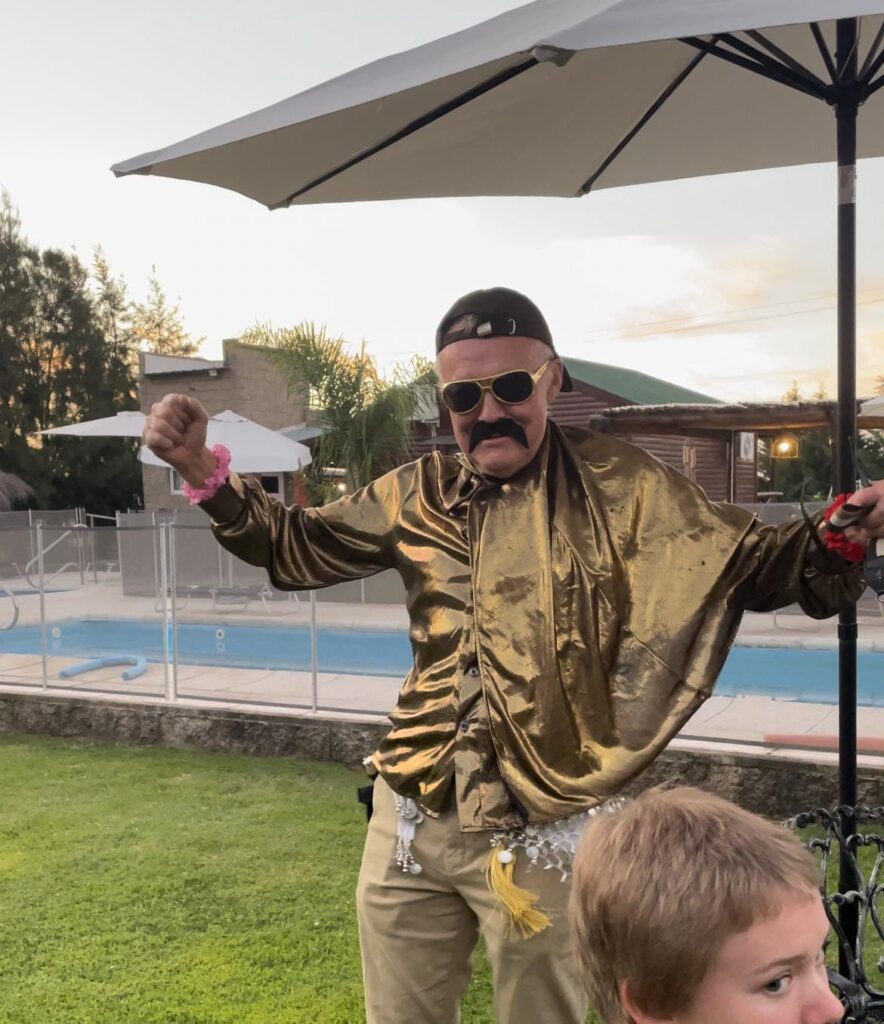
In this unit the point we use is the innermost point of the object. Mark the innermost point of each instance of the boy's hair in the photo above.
(661, 884)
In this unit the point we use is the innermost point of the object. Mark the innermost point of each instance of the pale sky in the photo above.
(725, 285)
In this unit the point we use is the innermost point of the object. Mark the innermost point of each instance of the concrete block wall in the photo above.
(774, 786)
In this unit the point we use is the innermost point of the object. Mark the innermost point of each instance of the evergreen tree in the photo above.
(60, 362)
(812, 472)
(157, 326)
(114, 311)
(19, 273)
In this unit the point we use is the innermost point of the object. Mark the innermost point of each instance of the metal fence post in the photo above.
(164, 586)
(43, 644)
(313, 653)
(154, 539)
(79, 536)
(172, 693)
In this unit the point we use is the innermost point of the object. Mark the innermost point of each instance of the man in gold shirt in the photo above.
(572, 601)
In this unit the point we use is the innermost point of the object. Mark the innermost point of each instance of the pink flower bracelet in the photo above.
(210, 487)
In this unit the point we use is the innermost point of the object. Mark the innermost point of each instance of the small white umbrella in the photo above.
(124, 424)
(253, 448)
(871, 413)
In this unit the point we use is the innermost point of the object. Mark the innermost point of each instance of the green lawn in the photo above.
(139, 884)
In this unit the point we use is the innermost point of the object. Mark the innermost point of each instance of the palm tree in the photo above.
(366, 417)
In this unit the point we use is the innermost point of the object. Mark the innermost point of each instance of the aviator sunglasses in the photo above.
(510, 388)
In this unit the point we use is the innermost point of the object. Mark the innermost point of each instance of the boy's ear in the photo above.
(632, 1011)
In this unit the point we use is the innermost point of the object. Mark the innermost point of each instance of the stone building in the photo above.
(245, 381)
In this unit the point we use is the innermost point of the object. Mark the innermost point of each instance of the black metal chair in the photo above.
(860, 987)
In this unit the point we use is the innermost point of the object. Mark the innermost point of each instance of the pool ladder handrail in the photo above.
(13, 621)
(26, 575)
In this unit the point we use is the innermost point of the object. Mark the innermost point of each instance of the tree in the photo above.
(366, 417)
(811, 474)
(58, 365)
(114, 311)
(19, 270)
(157, 326)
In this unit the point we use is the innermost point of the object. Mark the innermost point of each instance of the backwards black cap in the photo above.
(496, 313)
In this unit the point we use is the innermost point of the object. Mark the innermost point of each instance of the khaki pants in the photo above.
(418, 932)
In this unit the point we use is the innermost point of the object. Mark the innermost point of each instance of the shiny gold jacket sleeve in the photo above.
(780, 565)
(303, 549)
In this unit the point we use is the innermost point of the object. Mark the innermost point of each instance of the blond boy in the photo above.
(687, 909)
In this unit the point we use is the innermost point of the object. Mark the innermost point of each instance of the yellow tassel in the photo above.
(525, 916)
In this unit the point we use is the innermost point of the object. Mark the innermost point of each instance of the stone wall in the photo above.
(776, 787)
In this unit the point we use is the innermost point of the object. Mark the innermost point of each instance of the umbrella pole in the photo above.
(846, 108)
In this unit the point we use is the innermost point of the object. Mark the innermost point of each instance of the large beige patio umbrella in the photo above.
(553, 98)
(564, 97)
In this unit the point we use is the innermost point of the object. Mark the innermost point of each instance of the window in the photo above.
(314, 400)
(176, 484)
(273, 484)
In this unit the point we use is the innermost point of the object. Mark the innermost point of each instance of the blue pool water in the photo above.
(376, 653)
(788, 673)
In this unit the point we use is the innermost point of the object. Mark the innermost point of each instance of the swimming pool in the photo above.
(785, 672)
(376, 653)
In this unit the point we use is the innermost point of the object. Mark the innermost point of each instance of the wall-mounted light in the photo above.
(784, 446)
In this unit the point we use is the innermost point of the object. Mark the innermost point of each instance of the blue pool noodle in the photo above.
(139, 665)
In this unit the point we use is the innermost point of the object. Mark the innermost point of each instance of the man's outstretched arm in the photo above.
(783, 564)
(299, 548)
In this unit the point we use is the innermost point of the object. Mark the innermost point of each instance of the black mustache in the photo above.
(485, 429)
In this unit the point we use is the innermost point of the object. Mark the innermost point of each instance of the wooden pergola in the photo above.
(697, 420)
(754, 417)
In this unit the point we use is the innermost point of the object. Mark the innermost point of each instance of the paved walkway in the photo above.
(746, 723)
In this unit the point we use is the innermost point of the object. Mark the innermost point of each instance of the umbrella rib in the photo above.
(873, 69)
(775, 72)
(824, 50)
(804, 73)
(642, 121)
(867, 71)
(872, 88)
(789, 77)
(435, 114)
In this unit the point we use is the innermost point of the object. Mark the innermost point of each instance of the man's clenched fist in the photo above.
(175, 432)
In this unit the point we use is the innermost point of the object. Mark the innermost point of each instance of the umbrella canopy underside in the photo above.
(536, 102)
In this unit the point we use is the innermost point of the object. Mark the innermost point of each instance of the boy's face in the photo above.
(773, 973)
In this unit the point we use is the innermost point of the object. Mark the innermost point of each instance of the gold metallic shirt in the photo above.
(597, 593)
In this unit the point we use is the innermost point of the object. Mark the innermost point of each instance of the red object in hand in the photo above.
(837, 542)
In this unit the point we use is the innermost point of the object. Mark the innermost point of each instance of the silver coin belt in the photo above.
(551, 844)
